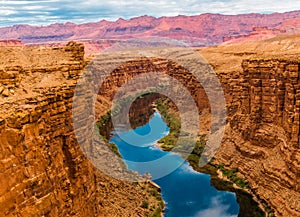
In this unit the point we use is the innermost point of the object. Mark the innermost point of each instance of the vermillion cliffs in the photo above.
(205, 29)
(11, 42)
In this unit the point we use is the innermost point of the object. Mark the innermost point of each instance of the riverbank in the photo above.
(224, 179)
(249, 205)
(172, 173)
(152, 208)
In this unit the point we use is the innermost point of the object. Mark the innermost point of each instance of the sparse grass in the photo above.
(173, 122)
(185, 146)
(102, 125)
(269, 211)
(231, 174)
(145, 205)
(115, 149)
(156, 213)
(104, 121)
(155, 193)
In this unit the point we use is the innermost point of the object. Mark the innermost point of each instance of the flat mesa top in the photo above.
(31, 71)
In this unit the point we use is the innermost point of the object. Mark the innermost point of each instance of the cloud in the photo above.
(216, 209)
(6, 11)
(186, 168)
(29, 11)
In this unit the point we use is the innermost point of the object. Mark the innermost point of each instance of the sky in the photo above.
(43, 12)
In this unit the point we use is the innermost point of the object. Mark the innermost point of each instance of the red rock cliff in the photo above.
(11, 42)
(43, 170)
(263, 138)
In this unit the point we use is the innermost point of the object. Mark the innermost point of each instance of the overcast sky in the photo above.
(42, 12)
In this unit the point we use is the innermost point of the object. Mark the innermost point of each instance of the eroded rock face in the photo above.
(274, 90)
(263, 138)
(125, 72)
(43, 169)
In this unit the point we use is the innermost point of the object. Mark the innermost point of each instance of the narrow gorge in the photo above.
(43, 169)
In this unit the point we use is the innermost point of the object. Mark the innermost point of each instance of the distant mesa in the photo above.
(258, 34)
(196, 31)
(11, 42)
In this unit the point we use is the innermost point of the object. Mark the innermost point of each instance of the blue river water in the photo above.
(186, 192)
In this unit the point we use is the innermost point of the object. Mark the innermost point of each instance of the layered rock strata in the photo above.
(43, 169)
(262, 139)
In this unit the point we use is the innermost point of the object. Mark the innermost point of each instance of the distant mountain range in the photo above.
(201, 30)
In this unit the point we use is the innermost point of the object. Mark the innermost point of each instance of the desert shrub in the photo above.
(145, 205)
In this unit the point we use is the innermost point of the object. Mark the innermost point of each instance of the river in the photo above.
(186, 193)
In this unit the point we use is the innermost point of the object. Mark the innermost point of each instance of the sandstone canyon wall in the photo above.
(267, 125)
(43, 170)
(262, 137)
(261, 81)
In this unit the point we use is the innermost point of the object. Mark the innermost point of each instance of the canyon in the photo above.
(261, 84)
(44, 171)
